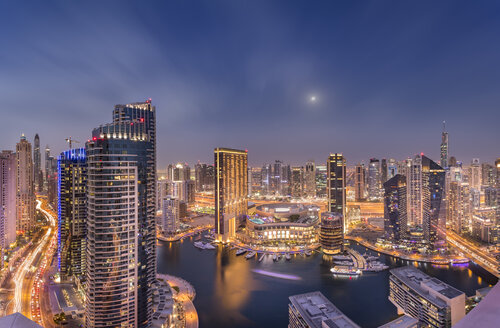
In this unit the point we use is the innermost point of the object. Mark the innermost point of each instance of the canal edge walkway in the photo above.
(185, 295)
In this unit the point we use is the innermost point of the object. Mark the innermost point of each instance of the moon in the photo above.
(313, 99)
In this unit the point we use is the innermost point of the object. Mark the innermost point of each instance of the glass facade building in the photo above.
(121, 226)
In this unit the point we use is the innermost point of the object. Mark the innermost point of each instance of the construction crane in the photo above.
(71, 141)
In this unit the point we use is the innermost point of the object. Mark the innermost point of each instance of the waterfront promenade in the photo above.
(414, 257)
(184, 293)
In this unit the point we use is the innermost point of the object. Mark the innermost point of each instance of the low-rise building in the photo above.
(314, 310)
(429, 300)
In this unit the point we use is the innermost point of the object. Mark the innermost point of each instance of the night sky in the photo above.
(241, 74)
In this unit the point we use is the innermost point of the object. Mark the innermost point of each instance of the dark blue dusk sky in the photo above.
(240, 73)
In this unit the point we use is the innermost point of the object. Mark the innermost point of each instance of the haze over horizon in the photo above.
(242, 75)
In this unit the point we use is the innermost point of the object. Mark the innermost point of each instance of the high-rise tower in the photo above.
(8, 168)
(37, 164)
(395, 218)
(121, 225)
(444, 147)
(25, 193)
(336, 185)
(374, 180)
(359, 182)
(433, 183)
(72, 212)
(310, 179)
(231, 180)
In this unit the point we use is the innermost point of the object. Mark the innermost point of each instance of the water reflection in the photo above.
(230, 294)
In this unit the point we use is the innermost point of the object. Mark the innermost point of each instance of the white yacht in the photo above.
(250, 255)
(241, 251)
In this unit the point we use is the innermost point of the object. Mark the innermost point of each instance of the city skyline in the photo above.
(354, 90)
(240, 164)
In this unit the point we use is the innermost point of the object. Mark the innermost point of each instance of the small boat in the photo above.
(262, 257)
(199, 244)
(341, 257)
(241, 251)
(345, 271)
(209, 246)
(275, 257)
(250, 255)
(279, 257)
(288, 257)
(459, 261)
(308, 253)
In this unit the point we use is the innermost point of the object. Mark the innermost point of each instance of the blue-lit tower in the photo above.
(71, 212)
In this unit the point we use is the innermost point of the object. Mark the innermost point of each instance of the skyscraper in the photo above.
(459, 206)
(383, 171)
(488, 175)
(433, 180)
(121, 226)
(25, 194)
(444, 147)
(497, 165)
(72, 212)
(37, 164)
(336, 184)
(297, 184)
(231, 180)
(204, 177)
(395, 217)
(414, 190)
(310, 179)
(8, 166)
(475, 174)
(265, 175)
(359, 182)
(392, 168)
(374, 184)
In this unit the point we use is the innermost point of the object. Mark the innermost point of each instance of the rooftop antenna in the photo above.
(71, 141)
(444, 126)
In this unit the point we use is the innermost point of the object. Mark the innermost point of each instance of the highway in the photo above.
(473, 252)
(27, 277)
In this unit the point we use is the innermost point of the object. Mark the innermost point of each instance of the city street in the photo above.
(473, 252)
(27, 277)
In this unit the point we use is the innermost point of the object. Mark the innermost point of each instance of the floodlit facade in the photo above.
(331, 236)
(231, 183)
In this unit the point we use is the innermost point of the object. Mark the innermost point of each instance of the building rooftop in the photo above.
(404, 321)
(485, 314)
(17, 320)
(422, 283)
(317, 311)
